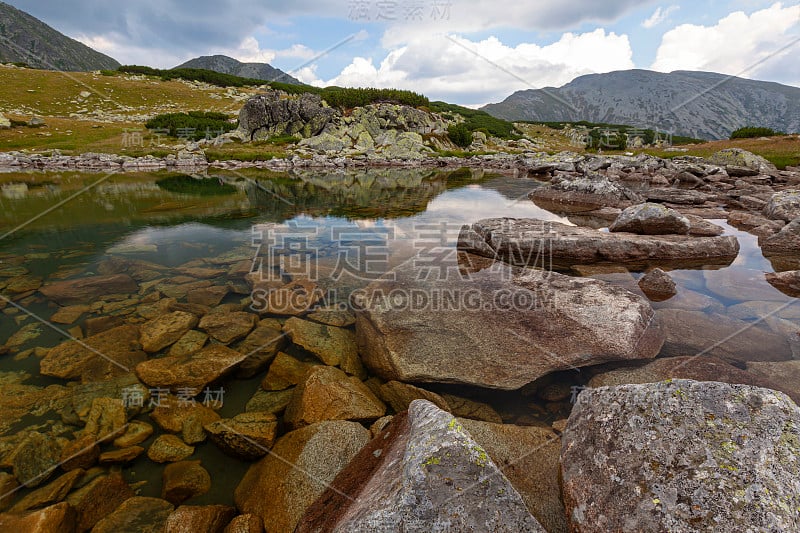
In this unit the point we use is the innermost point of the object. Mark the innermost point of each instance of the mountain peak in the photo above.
(228, 65)
(27, 39)
(698, 104)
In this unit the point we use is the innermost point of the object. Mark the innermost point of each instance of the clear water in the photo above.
(171, 223)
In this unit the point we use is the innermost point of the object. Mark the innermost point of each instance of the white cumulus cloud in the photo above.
(454, 68)
(739, 44)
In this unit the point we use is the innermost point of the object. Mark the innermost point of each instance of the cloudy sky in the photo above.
(465, 51)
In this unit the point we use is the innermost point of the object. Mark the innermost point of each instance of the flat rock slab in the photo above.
(107, 355)
(510, 327)
(194, 371)
(682, 456)
(424, 472)
(698, 333)
(87, 290)
(532, 242)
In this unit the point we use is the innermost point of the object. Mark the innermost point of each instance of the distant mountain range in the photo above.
(229, 65)
(26, 39)
(698, 104)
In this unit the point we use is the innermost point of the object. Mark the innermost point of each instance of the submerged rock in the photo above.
(657, 285)
(545, 244)
(510, 326)
(57, 518)
(140, 514)
(248, 436)
(194, 372)
(184, 480)
(88, 290)
(736, 341)
(166, 330)
(424, 472)
(104, 356)
(682, 456)
(197, 518)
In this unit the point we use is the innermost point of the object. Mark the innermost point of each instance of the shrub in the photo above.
(477, 120)
(749, 132)
(194, 125)
(460, 134)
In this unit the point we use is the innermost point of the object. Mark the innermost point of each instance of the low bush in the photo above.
(460, 135)
(194, 125)
(750, 132)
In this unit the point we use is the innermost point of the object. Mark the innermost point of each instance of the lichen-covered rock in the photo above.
(784, 205)
(736, 157)
(651, 219)
(682, 456)
(529, 458)
(267, 115)
(424, 472)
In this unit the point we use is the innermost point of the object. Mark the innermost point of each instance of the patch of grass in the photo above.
(782, 151)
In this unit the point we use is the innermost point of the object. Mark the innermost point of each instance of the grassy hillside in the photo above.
(86, 112)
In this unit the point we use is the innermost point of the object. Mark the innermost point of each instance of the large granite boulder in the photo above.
(785, 242)
(583, 194)
(786, 282)
(682, 456)
(651, 219)
(280, 487)
(509, 327)
(545, 244)
(736, 157)
(271, 114)
(784, 205)
(424, 472)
